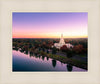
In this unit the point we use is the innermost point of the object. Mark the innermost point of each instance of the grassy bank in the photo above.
(63, 59)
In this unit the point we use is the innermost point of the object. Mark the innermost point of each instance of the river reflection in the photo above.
(69, 67)
(47, 58)
(25, 61)
(53, 63)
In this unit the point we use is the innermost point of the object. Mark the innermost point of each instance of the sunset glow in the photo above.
(50, 25)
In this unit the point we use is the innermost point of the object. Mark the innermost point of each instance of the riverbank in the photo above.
(73, 62)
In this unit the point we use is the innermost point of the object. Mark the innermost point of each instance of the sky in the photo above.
(50, 24)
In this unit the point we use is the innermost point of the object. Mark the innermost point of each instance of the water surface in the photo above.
(25, 62)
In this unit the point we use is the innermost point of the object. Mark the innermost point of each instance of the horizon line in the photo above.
(47, 38)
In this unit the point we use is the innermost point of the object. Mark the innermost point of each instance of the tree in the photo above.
(69, 53)
(54, 50)
(78, 49)
(64, 48)
(47, 51)
(25, 47)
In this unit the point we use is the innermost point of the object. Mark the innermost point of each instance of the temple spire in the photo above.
(61, 40)
(61, 35)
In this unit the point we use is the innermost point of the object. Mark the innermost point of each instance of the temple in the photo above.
(62, 42)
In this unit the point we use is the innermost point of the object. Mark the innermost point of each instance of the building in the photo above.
(62, 42)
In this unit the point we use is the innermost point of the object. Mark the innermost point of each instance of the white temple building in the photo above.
(62, 42)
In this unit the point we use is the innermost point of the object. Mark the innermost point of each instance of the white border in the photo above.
(9, 77)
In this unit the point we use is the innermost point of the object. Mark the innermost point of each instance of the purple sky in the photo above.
(50, 24)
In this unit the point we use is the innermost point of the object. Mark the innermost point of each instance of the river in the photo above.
(25, 62)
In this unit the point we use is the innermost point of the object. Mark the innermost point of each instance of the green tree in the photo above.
(54, 50)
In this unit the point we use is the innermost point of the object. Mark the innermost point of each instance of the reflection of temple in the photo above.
(62, 42)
